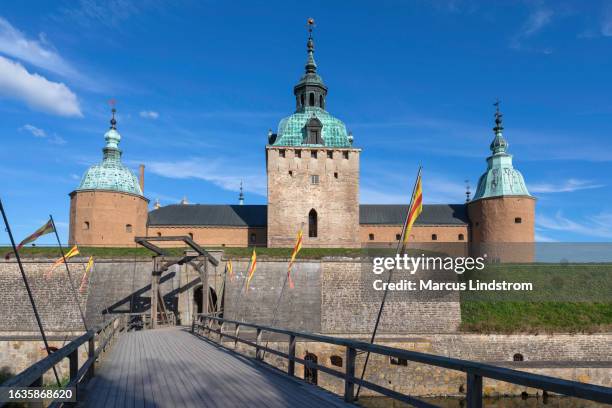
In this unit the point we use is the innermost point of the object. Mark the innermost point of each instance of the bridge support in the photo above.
(474, 390)
(349, 375)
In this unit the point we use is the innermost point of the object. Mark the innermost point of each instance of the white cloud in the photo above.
(149, 114)
(599, 225)
(58, 140)
(568, 186)
(36, 132)
(222, 173)
(537, 20)
(606, 26)
(39, 53)
(36, 91)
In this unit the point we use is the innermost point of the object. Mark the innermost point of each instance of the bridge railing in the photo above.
(475, 372)
(102, 336)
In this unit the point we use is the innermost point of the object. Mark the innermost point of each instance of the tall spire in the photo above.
(112, 137)
(241, 195)
(499, 144)
(311, 65)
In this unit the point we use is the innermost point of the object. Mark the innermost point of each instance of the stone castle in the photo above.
(313, 183)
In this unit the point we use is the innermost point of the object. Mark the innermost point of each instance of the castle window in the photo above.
(128, 227)
(314, 179)
(330, 154)
(371, 237)
(336, 361)
(518, 220)
(398, 237)
(290, 173)
(461, 237)
(253, 238)
(313, 154)
(190, 235)
(336, 175)
(434, 237)
(518, 357)
(86, 225)
(312, 223)
(311, 100)
(345, 155)
(281, 153)
(398, 361)
(321, 103)
(159, 234)
(302, 100)
(298, 153)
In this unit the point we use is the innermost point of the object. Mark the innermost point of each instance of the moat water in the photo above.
(500, 402)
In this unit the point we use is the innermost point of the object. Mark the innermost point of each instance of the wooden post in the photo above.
(154, 291)
(474, 390)
(236, 333)
(221, 333)
(291, 362)
(349, 375)
(258, 353)
(91, 356)
(205, 289)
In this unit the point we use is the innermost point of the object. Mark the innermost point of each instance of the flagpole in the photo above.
(27, 286)
(401, 247)
(74, 293)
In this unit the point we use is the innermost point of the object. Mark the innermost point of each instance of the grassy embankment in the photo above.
(566, 298)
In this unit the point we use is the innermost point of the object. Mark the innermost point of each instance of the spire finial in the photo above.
(499, 144)
(311, 66)
(467, 191)
(241, 195)
(113, 121)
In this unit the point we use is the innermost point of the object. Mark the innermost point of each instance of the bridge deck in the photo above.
(171, 367)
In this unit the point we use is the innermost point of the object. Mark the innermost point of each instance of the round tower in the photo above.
(502, 212)
(108, 208)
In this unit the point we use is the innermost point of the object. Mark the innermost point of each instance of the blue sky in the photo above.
(198, 84)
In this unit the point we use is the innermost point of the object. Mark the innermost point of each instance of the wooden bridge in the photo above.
(200, 366)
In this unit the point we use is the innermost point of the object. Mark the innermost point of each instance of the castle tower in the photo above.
(502, 212)
(108, 208)
(313, 171)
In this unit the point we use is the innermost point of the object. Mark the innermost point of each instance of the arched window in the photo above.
(461, 237)
(321, 102)
(128, 227)
(159, 234)
(301, 100)
(191, 235)
(312, 224)
(311, 101)
(518, 357)
(371, 237)
(86, 225)
(434, 237)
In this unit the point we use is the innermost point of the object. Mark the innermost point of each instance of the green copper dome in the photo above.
(311, 124)
(111, 174)
(501, 178)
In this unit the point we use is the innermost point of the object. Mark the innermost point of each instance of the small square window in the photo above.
(345, 155)
(253, 238)
(461, 237)
(290, 173)
(298, 153)
(518, 220)
(128, 227)
(313, 154)
(314, 179)
(434, 237)
(336, 175)
(371, 237)
(398, 237)
(281, 153)
(330, 154)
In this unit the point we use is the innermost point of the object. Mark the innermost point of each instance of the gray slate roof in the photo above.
(257, 216)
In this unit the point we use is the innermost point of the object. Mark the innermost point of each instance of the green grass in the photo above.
(531, 317)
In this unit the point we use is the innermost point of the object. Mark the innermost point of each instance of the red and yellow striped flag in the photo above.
(45, 229)
(296, 249)
(90, 264)
(74, 251)
(415, 209)
(230, 269)
(252, 268)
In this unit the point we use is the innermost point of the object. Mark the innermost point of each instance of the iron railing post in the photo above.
(291, 362)
(236, 333)
(91, 355)
(349, 375)
(474, 390)
(221, 333)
